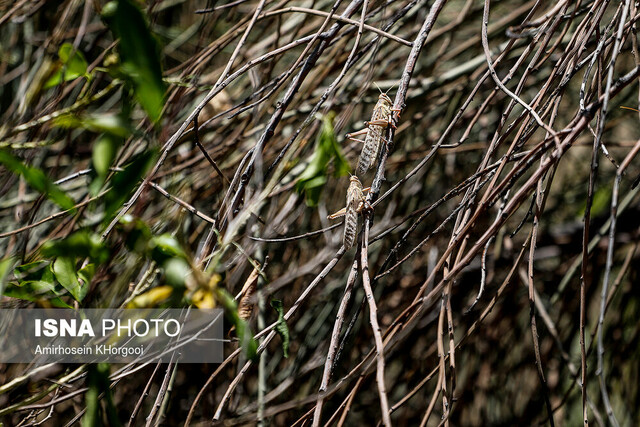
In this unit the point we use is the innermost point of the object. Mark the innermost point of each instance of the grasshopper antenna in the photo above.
(378, 87)
(392, 86)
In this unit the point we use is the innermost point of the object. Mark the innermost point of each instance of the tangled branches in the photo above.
(509, 169)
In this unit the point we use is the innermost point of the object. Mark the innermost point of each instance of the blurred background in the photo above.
(174, 153)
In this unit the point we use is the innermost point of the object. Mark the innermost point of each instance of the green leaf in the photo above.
(23, 269)
(329, 141)
(93, 414)
(34, 271)
(139, 54)
(112, 124)
(74, 66)
(281, 326)
(123, 182)
(176, 271)
(37, 287)
(73, 59)
(5, 268)
(247, 342)
(314, 177)
(164, 247)
(54, 80)
(35, 290)
(318, 181)
(64, 269)
(99, 391)
(86, 273)
(104, 152)
(35, 283)
(79, 244)
(600, 203)
(38, 180)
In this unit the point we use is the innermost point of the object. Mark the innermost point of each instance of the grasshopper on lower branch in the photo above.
(355, 203)
(380, 119)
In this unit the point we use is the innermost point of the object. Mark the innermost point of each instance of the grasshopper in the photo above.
(380, 119)
(355, 203)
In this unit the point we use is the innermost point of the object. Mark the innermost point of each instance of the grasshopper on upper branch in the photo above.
(355, 204)
(381, 118)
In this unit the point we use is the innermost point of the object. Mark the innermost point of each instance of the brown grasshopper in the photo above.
(380, 119)
(355, 204)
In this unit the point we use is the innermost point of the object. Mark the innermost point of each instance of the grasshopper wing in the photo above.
(355, 197)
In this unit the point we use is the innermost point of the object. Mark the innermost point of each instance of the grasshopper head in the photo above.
(383, 95)
(354, 178)
(385, 98)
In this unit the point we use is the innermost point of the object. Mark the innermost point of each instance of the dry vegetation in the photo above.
(493, 275)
